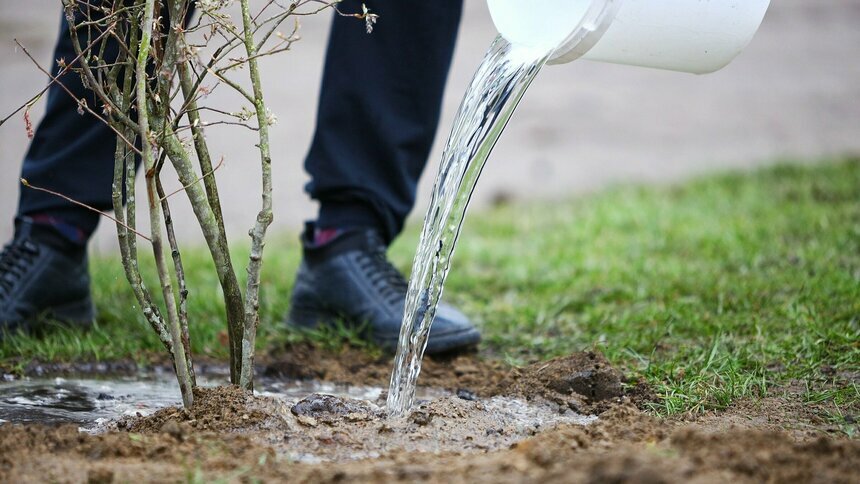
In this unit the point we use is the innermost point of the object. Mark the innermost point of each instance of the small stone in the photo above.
(328, 406)
(105, 396)
(307, 421)
(465, 394)
(383, 398)
(421, 417)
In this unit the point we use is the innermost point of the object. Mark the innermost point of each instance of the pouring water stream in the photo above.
(500, 82)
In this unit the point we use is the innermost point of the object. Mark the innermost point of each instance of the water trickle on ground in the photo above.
(306, 421)
(496, 89)
(93, 401)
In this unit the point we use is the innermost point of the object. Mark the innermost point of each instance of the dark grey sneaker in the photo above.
(351, 280)
(43, 278)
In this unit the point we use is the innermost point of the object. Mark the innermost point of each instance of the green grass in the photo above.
(725, 287)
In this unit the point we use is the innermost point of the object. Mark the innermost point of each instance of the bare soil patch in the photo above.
(238, 437)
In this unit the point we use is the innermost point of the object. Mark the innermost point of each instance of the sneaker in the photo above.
(43, 277)
(350, 279)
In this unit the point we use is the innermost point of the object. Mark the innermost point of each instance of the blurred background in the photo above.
(794, 94)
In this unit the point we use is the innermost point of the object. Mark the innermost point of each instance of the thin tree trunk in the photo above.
(173, 325)
(227, 274)
(264, 217)
(123, 180)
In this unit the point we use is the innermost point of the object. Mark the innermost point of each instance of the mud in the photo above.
(509, 426)
(624, 445)
(323, 427)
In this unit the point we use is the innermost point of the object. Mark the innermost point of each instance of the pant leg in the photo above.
(378, 111)
(71, 153)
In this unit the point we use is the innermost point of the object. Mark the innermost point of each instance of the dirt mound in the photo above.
(579, 380)
(219, 409)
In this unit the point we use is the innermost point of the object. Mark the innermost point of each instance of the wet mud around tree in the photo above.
(566, 420)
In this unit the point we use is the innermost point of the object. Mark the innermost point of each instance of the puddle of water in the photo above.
(347, 429)
(88, 401)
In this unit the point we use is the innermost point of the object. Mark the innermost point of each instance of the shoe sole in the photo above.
(309, 319)
(446, 343)
(81, 313)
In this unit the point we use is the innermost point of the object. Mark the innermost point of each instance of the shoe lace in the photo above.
(384, 277)
(16, 258)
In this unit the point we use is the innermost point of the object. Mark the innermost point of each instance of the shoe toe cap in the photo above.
(449, 319)
(451, 330)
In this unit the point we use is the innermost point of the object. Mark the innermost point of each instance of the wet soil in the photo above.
(471, 435)
(350, 365)
(578, 380)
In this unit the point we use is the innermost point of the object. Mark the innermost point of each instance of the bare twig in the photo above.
(206, 206)
(81, 204)
(94, 83)
(81, 103)
(198, 180)
(180, 278)
(38, 95)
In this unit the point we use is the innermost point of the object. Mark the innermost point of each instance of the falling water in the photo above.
(495, 91)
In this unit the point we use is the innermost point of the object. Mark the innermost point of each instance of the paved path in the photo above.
(795, 93)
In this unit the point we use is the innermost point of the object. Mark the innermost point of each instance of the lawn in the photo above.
(724, 287)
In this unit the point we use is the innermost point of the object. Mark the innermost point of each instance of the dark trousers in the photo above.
(378, 112)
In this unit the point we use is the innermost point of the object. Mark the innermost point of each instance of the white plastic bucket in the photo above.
(697, 36)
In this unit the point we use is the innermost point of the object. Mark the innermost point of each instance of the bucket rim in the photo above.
(591, 28)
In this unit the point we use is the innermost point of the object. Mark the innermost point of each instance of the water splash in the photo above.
(498, 85)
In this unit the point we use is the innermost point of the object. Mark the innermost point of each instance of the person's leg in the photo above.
(378, 112)
(71, 153)
(43, 270)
